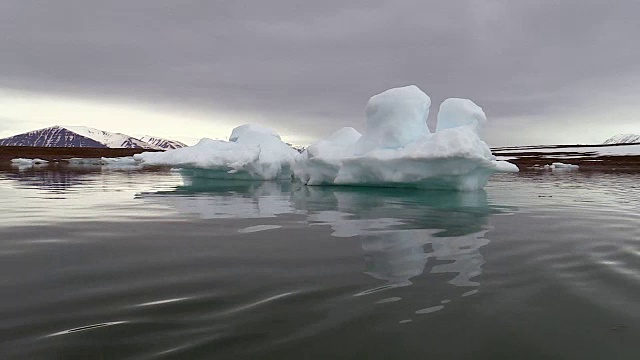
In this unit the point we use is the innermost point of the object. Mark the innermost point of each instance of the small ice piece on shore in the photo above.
(117, 162)
(558, 166)
(84, 162)
(253, 152)
(27, 162)
(398, 150)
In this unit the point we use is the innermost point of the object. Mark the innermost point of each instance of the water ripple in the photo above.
(87, 327)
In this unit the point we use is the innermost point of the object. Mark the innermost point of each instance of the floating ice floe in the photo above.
(252, 153)
(398, 149)
(26, 163)
(104, 161)
(561, 166)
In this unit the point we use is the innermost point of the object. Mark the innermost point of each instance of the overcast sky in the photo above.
(543, 71)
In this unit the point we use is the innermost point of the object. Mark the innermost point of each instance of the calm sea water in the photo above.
(127, 264)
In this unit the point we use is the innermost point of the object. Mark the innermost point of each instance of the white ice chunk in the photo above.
(505, 166)
(336, 144)
(119, 161)
(451, 159)
(126, 162)
(456, 112)
(252, 133)
(84, 161)
(253, 153)
(25, 162)
(562, 166)
(399, 151)
(322, 160)
(395, 118)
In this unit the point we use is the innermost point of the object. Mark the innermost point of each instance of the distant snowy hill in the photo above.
(623, 139)
(75, 136)
(54, 136)
(111, 140)
(163, 143)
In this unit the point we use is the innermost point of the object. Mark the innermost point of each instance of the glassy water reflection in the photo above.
(399, 229)
(122, 263)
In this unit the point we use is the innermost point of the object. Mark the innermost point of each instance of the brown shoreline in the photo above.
(529, 161)
(63, 153)
(532, 161)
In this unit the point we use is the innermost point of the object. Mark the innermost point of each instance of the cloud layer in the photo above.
(309, 67)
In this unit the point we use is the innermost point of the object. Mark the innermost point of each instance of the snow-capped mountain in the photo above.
(163, 143)
(112, 140)
(75, 136)
(622, 139)
(54, 136)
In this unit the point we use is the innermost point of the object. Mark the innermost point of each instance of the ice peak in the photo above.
(395, 118)
(456, 112)
(248, 131)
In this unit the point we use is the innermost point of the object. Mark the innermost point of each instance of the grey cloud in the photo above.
(296, 62)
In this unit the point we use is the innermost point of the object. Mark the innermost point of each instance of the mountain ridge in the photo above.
(82, 136)
(622, 139)
(162, 142)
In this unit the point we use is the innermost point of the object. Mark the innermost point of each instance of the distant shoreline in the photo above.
(63, 153)
(529, 161)
(536, 162)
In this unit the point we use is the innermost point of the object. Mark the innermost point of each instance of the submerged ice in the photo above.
(396, 150)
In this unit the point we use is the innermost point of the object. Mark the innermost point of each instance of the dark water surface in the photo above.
(117, 264)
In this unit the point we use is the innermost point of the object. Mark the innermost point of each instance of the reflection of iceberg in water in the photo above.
(445, 226)
(395, 257)
(464, 252)
(227, 199)
(402, 231)
(398, 257)
(47, 177)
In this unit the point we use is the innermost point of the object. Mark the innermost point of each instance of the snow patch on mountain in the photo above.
(162, 142)
(112, 140)
(622, 139)
(83, 136)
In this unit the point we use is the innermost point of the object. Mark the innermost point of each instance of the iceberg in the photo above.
(398, 150)
(253, 152)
